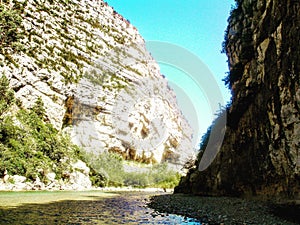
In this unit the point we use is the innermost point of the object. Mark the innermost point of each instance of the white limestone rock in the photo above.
(86, 51)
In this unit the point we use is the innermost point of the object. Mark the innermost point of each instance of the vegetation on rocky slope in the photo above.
(82, 54)
(10, 21)
(29, 145)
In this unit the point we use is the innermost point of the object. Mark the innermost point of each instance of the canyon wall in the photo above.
(260, 154)
(97, 80)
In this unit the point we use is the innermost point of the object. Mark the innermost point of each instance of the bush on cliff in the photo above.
(29, 146)
(10, 22)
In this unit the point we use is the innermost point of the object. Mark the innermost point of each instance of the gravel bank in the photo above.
(226, 210)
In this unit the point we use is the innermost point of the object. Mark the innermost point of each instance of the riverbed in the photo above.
(137, 207)
(90, 207)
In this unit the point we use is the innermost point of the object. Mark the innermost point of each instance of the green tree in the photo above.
(38, 108)
(109, 165)
(6, 95)
(10, 22)
(29, 146)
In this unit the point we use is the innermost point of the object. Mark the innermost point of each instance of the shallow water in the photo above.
(82, 208)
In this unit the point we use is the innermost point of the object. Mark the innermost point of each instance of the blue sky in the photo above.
(195, 25)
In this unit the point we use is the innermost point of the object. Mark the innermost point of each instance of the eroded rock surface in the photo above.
(260, 153)
(97, 81)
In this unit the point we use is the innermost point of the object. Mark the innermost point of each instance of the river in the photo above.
(91, 207)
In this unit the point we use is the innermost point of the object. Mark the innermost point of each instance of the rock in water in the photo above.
(97, 80)
(260, 153)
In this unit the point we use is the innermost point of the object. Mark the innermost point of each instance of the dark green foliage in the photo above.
(6, 95)
(38, 108)
(10, 21)
(29, 146)
(37, 146)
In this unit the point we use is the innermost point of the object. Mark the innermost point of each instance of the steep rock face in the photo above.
(260, 153)
(97, 80)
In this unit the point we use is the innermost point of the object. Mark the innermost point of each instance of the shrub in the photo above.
(7, 95)
(10, 21)
(32, 148)
(111, 166)
(38, 108)
(108, 165)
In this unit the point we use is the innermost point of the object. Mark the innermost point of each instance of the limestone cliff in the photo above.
(96, 79)
(260, 154)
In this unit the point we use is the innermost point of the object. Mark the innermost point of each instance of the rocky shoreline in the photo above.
(227, 210)
(20, 183)
(78, 179)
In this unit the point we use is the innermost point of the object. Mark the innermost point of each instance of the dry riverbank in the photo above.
(226, 210)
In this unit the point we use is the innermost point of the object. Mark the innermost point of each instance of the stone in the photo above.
(79, 181)
(260, 152)
(17, 179)
(98, 59)
(38, 184)
(81, 166)
(6, 178)
(51, 176)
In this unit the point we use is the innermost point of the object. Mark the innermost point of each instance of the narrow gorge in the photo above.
(92, 133)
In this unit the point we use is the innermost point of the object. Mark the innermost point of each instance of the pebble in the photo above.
(221, 210)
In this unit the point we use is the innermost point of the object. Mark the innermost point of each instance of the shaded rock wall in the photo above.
(260, 154)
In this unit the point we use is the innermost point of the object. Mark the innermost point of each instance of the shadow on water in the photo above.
(124, 208)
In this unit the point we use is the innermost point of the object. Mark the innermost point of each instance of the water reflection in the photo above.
(123, 208)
